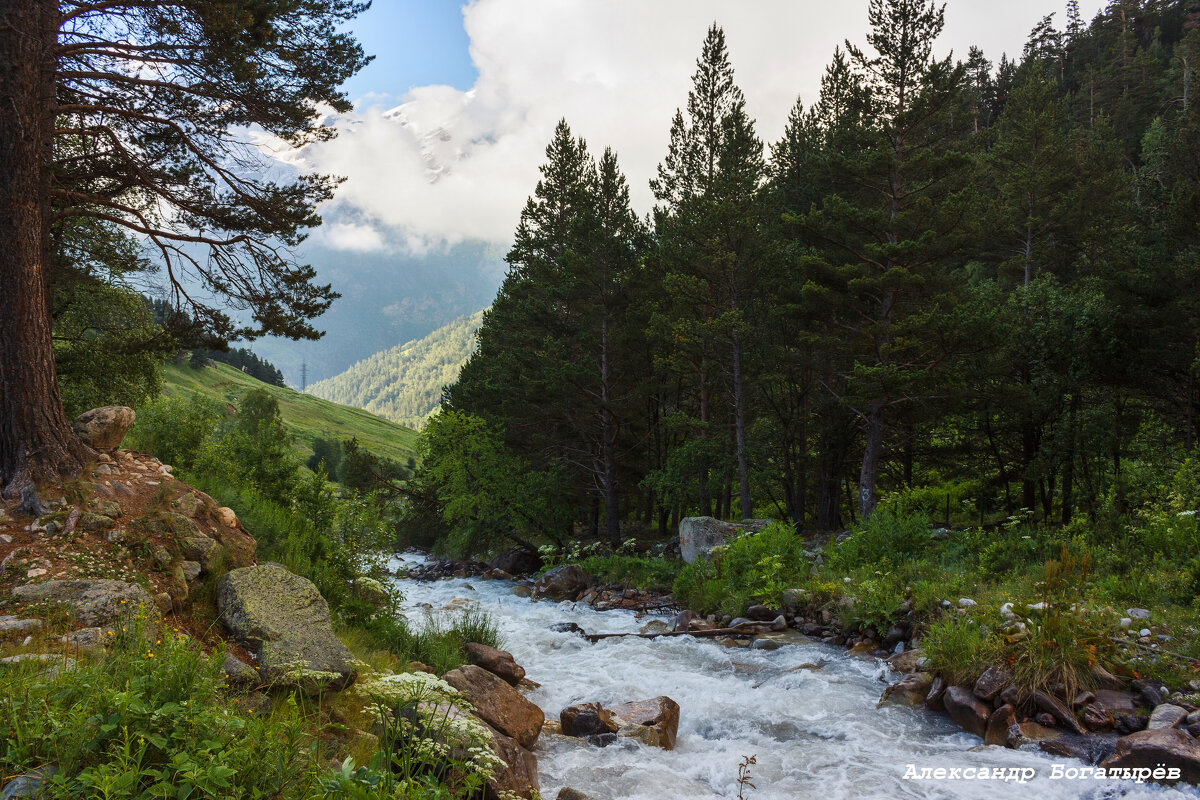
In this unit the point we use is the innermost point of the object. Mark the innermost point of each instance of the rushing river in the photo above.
(816, 734)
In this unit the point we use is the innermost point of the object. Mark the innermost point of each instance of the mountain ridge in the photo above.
(404, 383)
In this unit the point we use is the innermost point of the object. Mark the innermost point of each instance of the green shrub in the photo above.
(930, 501)
(640, 572)
(886, 538)
(149, 721)
(175, 429)
(959, 648)
(107, 349)
(1016, 549)
(753, 568)
(878, 599)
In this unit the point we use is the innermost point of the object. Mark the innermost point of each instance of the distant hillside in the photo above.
(309, 417)
(386, 298)
(404, 384)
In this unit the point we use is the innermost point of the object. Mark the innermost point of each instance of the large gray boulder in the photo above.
(92, 603)
(104, 428)
(563, 582)
(698, 536)
(285, 621)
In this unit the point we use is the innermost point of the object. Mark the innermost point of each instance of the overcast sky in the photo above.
(453, 117)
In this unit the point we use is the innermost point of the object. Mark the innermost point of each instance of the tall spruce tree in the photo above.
(608, 270)
(710, 239)
(550, 362)
(161, 157)
(1032, 164)
(896, 225)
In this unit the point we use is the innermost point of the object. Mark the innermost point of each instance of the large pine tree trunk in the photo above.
(36, 441)
(612, 511)
(739, 427)
(868, 477)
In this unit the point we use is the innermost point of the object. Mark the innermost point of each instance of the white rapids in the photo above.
(816, 734)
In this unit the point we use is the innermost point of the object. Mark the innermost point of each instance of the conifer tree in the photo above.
(156, 151)
(549, 362)
(898, 226)
(708, 225)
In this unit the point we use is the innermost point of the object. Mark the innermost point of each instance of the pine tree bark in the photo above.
(739, 425)
(36, 441)
(868, 478)
(612, 512)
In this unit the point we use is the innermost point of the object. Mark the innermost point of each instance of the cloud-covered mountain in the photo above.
(387, 298)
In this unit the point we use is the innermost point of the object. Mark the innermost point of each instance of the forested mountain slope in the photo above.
(386, 298)
(404, 384)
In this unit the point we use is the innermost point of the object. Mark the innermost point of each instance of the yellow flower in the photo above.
(149, 655)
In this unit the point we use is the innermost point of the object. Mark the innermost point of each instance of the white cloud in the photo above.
(447, 165)
(349, 236)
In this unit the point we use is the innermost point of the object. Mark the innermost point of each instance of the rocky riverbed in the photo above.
(804, 708)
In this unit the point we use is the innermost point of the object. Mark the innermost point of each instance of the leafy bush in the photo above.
(877, 601)
(1016, 549)
(483, 493)
(931, 500)
(175, 429)
(640, 572)
(886, 538)
(107, 349)
(753, 568)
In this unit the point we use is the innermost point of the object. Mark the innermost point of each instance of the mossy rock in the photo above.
(107, 508)
(166, 523)
(94, 523)
(92, 603)
(284, 619)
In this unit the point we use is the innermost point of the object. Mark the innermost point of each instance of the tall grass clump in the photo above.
(150, 720)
